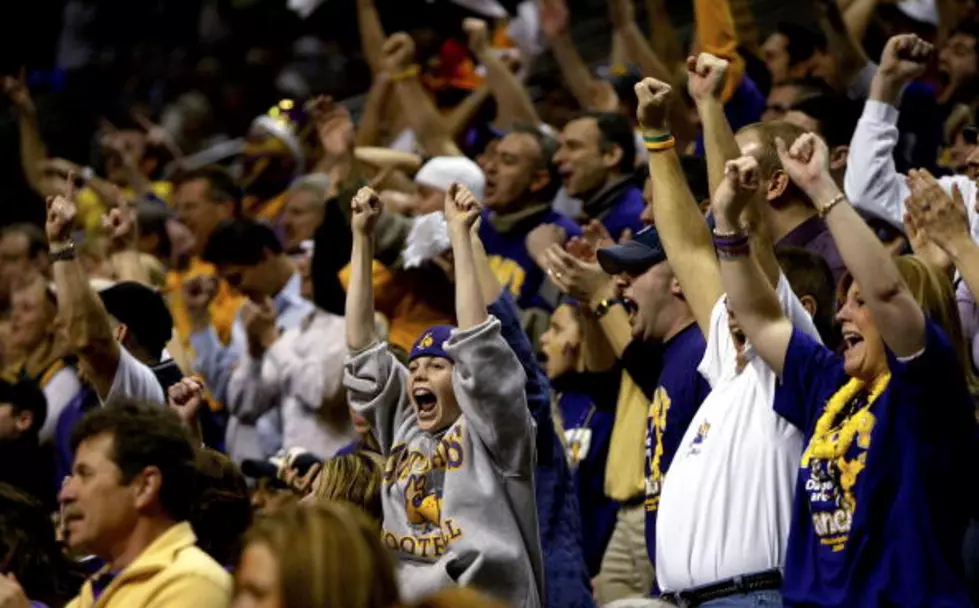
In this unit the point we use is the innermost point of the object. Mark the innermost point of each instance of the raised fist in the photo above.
(905, 57)
(553, 17)
(478, 34)
(62, 212)
(365, 208)
(740, 183)
(185, 398)
(121, 225)
(807, 163)
(654, 98)
(705, 76)
(461, 207)
(399, 52)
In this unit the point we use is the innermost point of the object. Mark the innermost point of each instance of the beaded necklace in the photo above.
(831, 438)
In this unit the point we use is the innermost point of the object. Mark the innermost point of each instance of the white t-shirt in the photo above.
(136, 380)
(726, 502)
(59, 391)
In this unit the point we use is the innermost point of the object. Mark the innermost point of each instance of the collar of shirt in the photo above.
(289, 295)
(608, 196)
(804, 233)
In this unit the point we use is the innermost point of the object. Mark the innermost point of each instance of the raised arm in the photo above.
(681, 226)
(623, 17)
(85, 318)
(872, 181)
(422, 116)
(371, 34)
(897, 315)
(849, 55)
(750, 294)
(718, 37)
(371, 119)
(513, 103)
(461, 213)
(554, 22)
(662, 34)
(365, 208)
(706, 84)
(32, 150)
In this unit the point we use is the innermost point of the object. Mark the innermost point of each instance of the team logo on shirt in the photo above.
(659, 407)
(832, 480)
(419, 478)
(699, 438)
(508, 272)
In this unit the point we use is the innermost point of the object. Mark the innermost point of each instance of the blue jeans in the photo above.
(757, 599)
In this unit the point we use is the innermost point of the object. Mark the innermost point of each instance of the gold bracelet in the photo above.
(822, 210)
(409, 72)
(669, 144)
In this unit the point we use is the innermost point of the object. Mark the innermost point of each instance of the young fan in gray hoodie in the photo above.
(455, 430)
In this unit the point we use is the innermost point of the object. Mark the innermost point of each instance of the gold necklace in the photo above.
(826, 444)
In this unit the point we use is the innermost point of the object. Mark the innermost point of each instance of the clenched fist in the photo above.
(185, 398)
(705, 76)
(62, 212)
(905, 58)
(399, 52)
(461, 207)
(654, 98)
(739, 185)
(365, 208)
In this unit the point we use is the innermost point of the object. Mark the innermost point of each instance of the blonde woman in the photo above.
(354, 478)
(880, 511)
(320, 554)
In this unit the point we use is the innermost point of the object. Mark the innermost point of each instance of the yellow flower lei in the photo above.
(826, 444)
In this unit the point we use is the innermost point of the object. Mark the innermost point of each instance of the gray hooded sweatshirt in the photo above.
(459, 505)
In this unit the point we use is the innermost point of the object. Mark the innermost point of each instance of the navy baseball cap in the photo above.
(432, 343)
(271, 468)
(633, 257)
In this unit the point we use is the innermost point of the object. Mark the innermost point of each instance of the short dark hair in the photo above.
(221, 185)
(802, 41)
(809, 275)
(144, 434)
(837, 117)
(223, 512)
(968, 27)
(768, 160)
(241, 242)
(25, 395)
(37, 242)
(809, 86)
(548, 147)
(615, 130)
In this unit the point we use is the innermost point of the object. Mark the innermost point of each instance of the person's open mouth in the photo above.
(426, 403)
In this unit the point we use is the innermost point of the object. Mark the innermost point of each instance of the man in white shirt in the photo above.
(301, 373)
(109, 368)
(726, 501)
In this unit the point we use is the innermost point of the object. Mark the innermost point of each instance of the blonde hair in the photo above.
(328, 554)
(354, 478)
(935, 294)
(458, 597)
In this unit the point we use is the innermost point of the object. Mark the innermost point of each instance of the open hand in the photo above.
(62, 212)
(553, 17)
(942, 219)
(461, 208)
(654, 99)
(705, 76)
(334, 126)
(905, 58)
(365, 208)
(738, 186)
(579, 279)
(399, 52)
(185, 399)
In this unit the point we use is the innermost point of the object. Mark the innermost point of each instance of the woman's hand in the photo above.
(735, 192)
(807, 163)
(942, 218)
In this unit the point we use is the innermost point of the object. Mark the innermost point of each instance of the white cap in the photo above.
(440, 172)
(924, 11)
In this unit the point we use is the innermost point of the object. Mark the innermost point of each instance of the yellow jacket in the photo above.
(171, 573)
(224, 307)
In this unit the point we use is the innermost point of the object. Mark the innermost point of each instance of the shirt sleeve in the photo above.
(376, 385)
(135, 380)
(538, 387)
(315, 379)
(936, 365)
(969, 315)
(215, 361)
(721, 355)
(810, 373)
(872, 182)
(490, 384)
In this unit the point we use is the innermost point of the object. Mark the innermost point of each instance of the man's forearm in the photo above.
(360, 294)
(87, 323)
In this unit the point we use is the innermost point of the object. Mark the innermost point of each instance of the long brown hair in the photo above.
(935, 294)
(329, 554)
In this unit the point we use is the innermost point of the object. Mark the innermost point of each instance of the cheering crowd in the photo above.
(692, 332)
